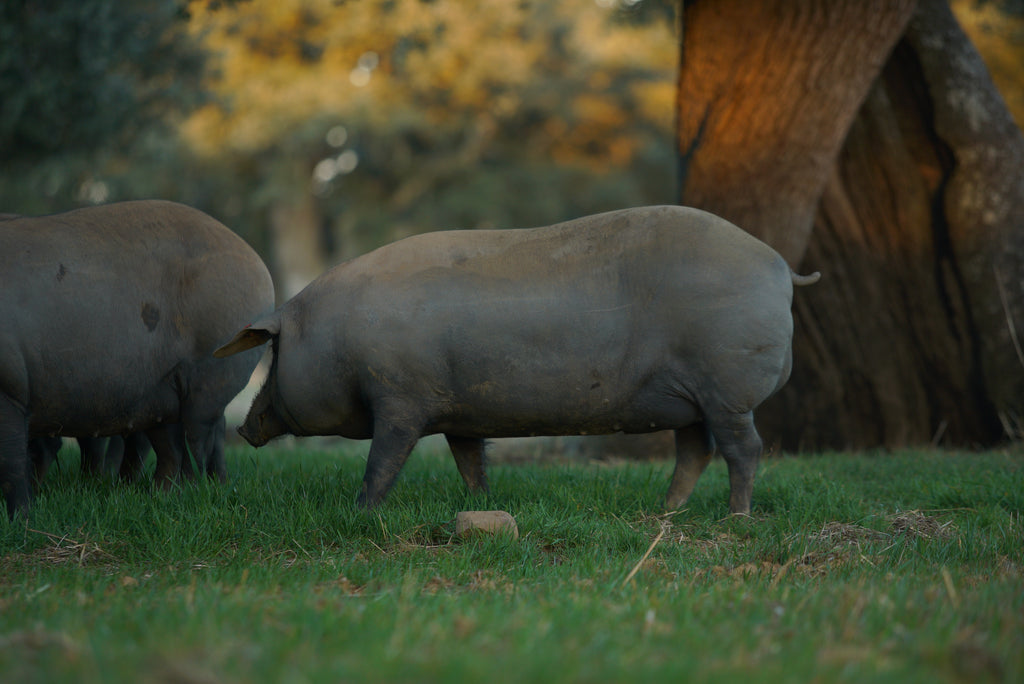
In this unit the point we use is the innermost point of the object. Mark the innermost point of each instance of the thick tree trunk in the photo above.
(296, 232)
(911, 336)
(767, 92)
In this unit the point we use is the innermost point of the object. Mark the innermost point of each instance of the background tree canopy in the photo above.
(89, 75)
(319, 130)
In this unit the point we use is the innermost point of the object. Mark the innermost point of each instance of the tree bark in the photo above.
(296, 232)
(767, 92)
(911, 335)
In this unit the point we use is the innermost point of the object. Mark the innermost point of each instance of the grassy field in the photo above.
(901, 567)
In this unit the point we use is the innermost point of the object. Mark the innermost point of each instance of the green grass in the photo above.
(900, 567)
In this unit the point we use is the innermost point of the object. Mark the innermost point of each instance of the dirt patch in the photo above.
(907, 523)
(841, 545)
(744, 571)
(814, 564)
(819, 563)
(425, 536)
(973, 658)
(847, 534)
(1009, 569)
(36, 640)
(485, 580)
(720, 541)
(808, 565)
(64, 550)
(344, 586)
(917, 524)
(438, 585)
(480, 580)
(186, 669)
(23, 653)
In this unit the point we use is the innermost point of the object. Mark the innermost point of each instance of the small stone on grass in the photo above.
(486, 522)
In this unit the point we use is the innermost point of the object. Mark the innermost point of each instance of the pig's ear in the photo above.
(251, 336)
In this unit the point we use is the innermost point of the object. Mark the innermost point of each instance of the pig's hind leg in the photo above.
(740, 446)
(694, 448)
(469, 458)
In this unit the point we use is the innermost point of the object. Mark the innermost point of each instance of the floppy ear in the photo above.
(250, 336)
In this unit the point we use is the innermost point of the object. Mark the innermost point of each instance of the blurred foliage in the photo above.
(394, 116)
(996, 27)
(84, 80)
(402, 115)
(82, 75)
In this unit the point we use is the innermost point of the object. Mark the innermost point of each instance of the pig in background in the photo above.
(111, 316)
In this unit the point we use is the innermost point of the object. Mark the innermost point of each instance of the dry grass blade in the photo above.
(636, 568)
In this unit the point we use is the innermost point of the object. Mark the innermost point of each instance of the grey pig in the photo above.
(631, 321)
(111, 315)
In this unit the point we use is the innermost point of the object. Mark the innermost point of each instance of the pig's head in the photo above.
(263, 422)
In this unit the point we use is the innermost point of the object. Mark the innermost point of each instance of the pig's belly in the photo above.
(581, 415)
(103, 410)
